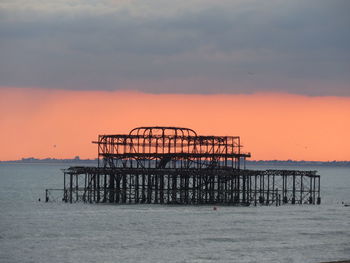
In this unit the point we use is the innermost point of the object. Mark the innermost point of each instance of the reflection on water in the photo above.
(32, 231)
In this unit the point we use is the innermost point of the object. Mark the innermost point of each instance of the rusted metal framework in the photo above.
(169, 147)
(170, 165)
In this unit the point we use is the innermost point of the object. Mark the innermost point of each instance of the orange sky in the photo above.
(271, 126)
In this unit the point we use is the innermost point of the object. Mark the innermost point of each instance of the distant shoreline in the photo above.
(53, 160)
(77, 160)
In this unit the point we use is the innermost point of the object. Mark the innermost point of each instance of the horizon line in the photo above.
(77, 158)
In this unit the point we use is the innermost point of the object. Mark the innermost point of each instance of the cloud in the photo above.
(177, 46)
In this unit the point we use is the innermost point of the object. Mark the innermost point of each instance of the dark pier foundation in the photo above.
(171, 186)
(169, 165)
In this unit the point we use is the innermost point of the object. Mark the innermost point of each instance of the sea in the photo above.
(56, 232)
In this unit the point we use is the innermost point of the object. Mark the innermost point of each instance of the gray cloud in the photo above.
(177, 46)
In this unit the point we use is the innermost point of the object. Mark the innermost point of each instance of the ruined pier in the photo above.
(171, 165)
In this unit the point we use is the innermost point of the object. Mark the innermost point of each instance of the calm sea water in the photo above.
(32, 231)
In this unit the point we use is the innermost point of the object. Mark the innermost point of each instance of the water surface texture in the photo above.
(32, 231)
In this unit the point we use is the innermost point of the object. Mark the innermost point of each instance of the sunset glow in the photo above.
(61, 124)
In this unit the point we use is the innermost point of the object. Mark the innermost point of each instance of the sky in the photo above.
(276, 73)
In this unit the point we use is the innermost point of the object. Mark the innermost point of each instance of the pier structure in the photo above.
(169, 148)
(171, 165)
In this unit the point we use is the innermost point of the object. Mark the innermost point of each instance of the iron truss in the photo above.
(171, 165)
